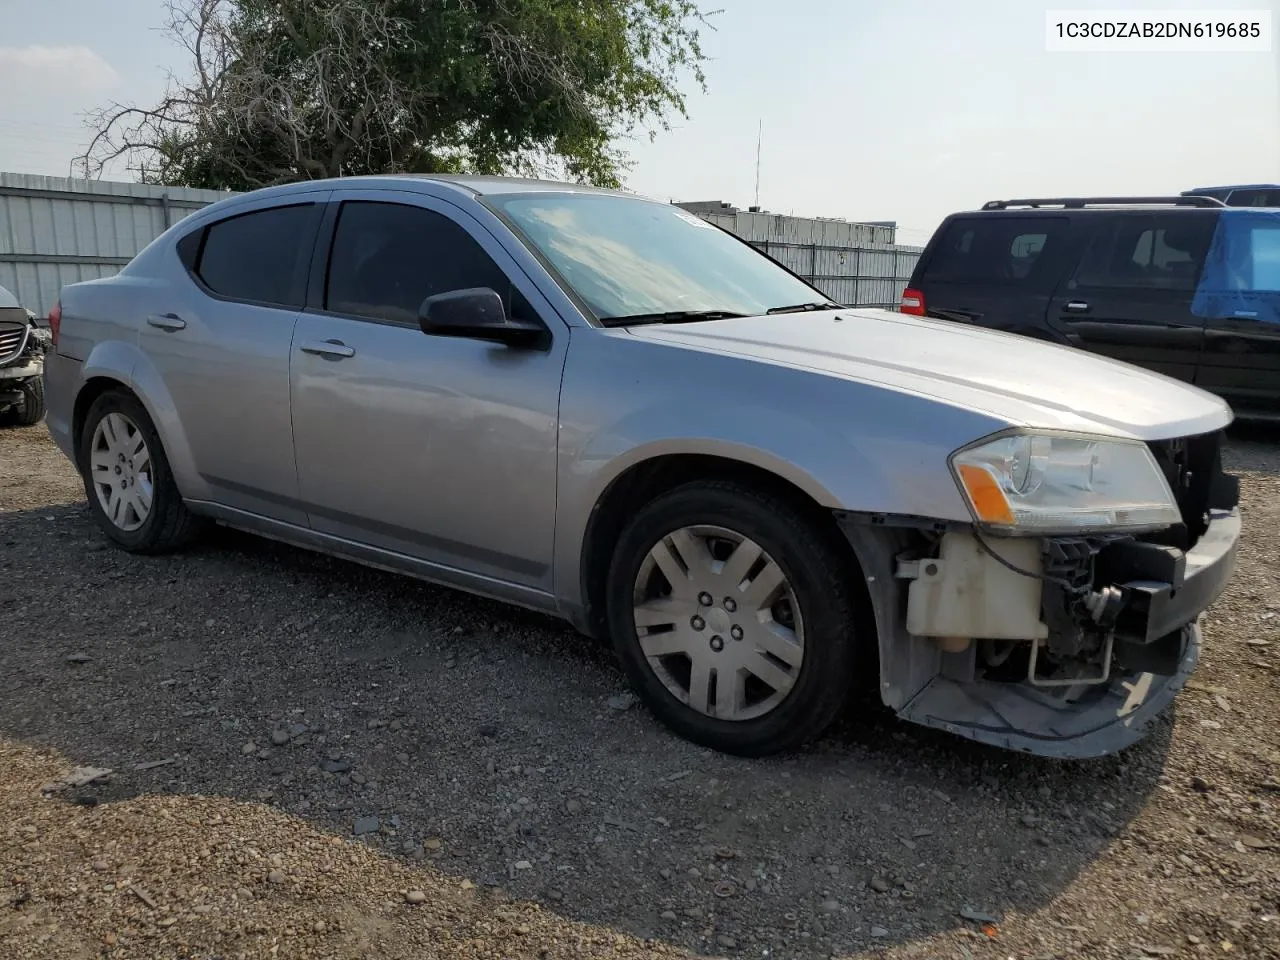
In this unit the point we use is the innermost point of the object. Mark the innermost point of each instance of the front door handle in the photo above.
(1076, 306)
(166, 321)
(333, 349)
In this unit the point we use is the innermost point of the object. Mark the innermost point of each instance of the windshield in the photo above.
(632, 258)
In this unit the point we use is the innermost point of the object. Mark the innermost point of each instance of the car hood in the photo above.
(1024, 381)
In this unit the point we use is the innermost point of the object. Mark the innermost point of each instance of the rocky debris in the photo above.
(154, 764)
(364, 825)
(78, 777)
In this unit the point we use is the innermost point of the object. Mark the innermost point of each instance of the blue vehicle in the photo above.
(1241, 195)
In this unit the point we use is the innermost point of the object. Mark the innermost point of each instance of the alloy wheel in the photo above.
(120, 469)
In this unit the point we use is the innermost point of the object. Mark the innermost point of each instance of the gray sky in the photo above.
(891, 110)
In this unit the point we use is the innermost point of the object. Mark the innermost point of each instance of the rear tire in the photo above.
(31, 410)
(767, 667)
(127, 479)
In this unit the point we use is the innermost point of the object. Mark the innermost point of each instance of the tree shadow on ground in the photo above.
(487, 741)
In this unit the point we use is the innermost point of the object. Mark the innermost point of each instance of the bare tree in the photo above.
(333, 102)
(282, 90)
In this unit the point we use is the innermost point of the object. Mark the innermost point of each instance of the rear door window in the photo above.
(260, 257)
(1157, 253)
(993, 249)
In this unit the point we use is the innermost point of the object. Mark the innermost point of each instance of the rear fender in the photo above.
(130, 367)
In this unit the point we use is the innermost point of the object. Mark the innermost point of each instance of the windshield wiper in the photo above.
(671, 316)
(804, 307)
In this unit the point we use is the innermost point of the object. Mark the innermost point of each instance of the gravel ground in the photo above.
(312, 759)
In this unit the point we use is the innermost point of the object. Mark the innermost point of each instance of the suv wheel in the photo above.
(732, 613)
(127, 481)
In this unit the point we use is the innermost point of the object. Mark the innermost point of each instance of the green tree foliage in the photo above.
(284, 90)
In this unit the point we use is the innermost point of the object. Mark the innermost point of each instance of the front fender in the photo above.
(823, 464)
(757, 435)
(849, 445)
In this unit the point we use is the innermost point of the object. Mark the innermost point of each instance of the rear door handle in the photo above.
(166, 321)
(333, 349)
(1076, 306)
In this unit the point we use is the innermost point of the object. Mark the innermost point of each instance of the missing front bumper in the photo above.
(1156, 646)
(1018, 716)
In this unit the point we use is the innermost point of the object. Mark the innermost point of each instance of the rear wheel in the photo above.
(127, 480)
(733, 612)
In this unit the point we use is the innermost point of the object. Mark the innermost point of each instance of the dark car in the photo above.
(23, 344)
(1184, 286)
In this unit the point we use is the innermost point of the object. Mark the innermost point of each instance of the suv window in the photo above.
(992, 249)
(1162, 254)
(1264, 257)
(260, 256)
(389, 257)
(1253, 198)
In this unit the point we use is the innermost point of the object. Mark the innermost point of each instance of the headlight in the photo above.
(1044, 483)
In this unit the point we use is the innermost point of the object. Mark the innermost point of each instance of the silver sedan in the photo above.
(607, 409)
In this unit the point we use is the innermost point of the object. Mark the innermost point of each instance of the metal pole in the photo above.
(759, 140)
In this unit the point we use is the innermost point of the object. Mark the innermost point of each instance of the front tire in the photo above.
(127, 479)
(31, 410)
(733, 614)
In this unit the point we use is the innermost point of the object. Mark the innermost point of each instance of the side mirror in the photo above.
(476, 313)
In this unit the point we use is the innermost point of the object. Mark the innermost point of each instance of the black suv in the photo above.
(1183, 285)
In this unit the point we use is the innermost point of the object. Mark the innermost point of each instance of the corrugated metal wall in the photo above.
(857, 264)
(55, 231)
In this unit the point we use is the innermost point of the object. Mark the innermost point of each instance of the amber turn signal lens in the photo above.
(988, 500)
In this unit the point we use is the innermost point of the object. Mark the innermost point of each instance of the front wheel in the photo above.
(733, 614)
(31, 409)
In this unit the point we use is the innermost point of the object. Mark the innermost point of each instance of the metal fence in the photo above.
(854, 276)
(55, 231)
(857, 264)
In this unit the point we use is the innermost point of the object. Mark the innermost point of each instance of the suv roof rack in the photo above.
(1076, 203)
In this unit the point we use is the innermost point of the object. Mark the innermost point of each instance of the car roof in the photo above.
(471, 185)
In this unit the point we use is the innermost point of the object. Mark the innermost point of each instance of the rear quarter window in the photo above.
(992, 249)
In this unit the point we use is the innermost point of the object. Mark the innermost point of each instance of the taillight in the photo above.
(912, 302)
(55, 321)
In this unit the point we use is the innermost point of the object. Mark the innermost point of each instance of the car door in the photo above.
(221, 347)
(1130, 295)
(1239, 299)
(434, 447)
